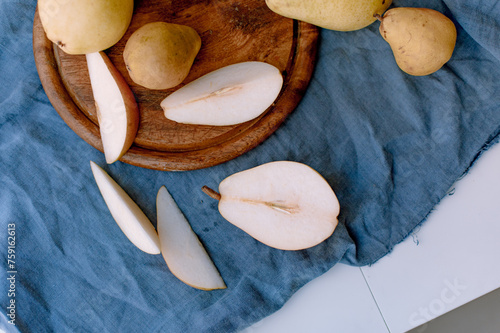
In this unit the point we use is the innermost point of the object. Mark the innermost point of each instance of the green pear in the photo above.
(421, 39)
(159, 55)
(85, 26)
(341, 15)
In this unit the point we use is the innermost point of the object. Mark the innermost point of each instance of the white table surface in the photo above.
(453, 258)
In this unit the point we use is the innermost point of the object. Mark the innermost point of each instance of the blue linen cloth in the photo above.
(391, 145)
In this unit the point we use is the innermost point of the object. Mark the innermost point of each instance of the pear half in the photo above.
(227, 96)
(117, 109)
(129, 217)
(285, 205)
(185, 256)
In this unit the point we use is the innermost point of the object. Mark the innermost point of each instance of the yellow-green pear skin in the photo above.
(421, 39)
(159, 55)
(85, 26)
(340, 15)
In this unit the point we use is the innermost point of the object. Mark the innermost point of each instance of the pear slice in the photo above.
(227, 96)
(285, 205)
(185, 256)
(129, 217)
(117, 110)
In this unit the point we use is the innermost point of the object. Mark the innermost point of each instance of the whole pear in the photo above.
(421, 39)
(159, 55)
(85, 26)
(341, 15)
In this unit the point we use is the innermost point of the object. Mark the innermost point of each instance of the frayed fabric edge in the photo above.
(492, 140)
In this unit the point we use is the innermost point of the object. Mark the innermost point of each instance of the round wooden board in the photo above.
(231, 31)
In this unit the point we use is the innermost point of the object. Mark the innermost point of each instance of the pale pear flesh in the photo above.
(286, 205)
(230, 95)
(117, 109)
(422, 39)
(81, 27)
(127, 214)
(340, 15)
(184, 254)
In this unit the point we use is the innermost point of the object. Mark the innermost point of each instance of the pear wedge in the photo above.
(185, 256)
(129, 217)
(285, 205)
(230, 95)
(117, 109)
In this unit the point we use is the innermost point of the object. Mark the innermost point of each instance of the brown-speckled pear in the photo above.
(421, 39)
(85, 26)
(340, 15)
(159, 55)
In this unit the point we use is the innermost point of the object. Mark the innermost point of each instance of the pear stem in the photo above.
(378, 17)
(211, 193)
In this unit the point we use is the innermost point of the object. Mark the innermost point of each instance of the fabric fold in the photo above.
(390, 145)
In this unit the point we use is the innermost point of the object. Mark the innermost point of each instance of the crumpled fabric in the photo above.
(390, 145)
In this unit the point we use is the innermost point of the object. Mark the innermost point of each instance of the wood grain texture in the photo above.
(231, 32)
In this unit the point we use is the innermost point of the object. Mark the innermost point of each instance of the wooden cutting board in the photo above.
(231, 32)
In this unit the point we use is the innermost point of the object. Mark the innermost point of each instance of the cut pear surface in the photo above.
(227, 96)
(285, 205)
(129, 217)
(117, 110)
(185, 256)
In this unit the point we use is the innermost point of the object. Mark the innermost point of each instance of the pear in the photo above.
(285, 205)
(227, 96)
(129, 217)
(117, 109)
(340, 15)
(159, 55)
(85, 26)
(185, 256)
(421, 39)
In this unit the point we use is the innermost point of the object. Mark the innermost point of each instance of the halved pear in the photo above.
(185, 256)
(285, 205)
(117, 109)
(227, 96)
(129, 217)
